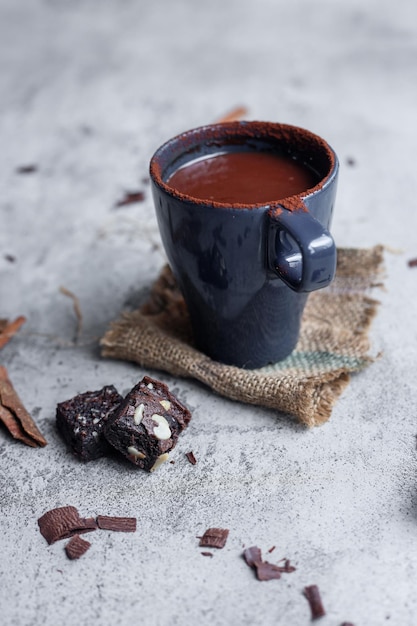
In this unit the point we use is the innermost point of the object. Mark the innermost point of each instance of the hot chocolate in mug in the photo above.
(243, 210)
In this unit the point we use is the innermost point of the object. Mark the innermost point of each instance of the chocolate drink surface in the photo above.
(249, 177)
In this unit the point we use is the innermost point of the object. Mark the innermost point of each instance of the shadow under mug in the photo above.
(245, 270)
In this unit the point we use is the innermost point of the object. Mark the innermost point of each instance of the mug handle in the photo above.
(301, 252)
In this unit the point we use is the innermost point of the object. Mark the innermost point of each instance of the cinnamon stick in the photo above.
(14, 415)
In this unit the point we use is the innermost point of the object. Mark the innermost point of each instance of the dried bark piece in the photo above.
(64, 522)
(8, 329)
(190, 456)
(312, 594)
(214, 538)
(14, 413)
(131, 197)
(76, 547)
(118, 524)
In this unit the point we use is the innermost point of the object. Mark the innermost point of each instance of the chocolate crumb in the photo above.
(412, 262)
(27, 169)
(76, 547)
(190, 456)
(271, 549)
(118, 524)
(214, 538)
(347, 624)
(64, 522)
(312, 594)
(130, 197)
(207, 553)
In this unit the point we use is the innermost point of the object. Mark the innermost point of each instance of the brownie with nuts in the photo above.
(81, 420)
(147, 424)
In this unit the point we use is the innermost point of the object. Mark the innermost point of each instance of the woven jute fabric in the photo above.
(333, 342)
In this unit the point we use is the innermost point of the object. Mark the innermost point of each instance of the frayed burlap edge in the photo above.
(157, 337)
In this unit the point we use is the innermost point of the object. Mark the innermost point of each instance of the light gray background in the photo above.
(88, 90)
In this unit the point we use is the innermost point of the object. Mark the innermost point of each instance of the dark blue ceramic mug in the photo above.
(245, 270)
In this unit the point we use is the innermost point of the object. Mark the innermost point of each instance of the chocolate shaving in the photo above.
(252, 556)
(412, 262)
(130, 197)
(118, 524)
(207, 553)
(214, 538)
(263, 569)
(267, 571)
(347, 624)
(8, 329)
(312, 594)
(26, 169)
(76, 547)
(64, 522)
(14, 415)
(271, 549)
(190, 456)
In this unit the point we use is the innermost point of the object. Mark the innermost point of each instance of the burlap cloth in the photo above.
(333, 342)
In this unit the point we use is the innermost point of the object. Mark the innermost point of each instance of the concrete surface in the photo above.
(88, 90)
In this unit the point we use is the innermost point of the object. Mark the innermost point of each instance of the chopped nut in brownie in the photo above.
(64, 522)
(118, 524)
(214, 538)
(81, 421)
(147, 424)
(76, 547)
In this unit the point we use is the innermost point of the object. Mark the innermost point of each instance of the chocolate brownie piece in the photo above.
(81, 421)
(147, 424)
